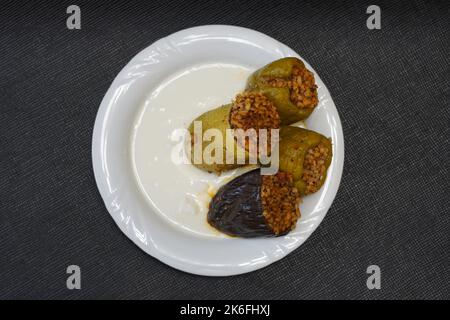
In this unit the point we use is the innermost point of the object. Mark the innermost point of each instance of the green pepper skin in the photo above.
(216, 119)
(294, 143)
(282, 68)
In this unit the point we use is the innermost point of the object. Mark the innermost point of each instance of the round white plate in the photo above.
(161, 205)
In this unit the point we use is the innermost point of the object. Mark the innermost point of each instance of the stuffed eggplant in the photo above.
(289, 85)
(254, 205)
(249, 110)
(306, 155)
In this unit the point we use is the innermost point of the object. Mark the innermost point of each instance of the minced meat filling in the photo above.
(280, 200)
(253, 110)
(303, 88)
(314, 167)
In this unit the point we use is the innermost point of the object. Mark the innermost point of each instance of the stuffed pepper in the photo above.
(289, 85)
(306, 155)
(249, 110)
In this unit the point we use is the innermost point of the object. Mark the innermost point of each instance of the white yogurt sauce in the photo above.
(181, 193)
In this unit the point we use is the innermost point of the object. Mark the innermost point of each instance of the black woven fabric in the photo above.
(391, 87)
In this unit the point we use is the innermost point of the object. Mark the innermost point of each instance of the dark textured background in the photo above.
(391, 87)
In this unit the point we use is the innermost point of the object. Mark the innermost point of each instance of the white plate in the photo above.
(162, 206)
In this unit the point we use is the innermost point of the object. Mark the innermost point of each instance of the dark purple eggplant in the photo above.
(240, 208)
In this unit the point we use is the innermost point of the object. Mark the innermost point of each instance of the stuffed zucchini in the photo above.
(306, 155)
(254, 205)
(289, 85)
(249, 110)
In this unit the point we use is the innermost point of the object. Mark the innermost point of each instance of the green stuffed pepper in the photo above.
(306, 155)
(249, 110)
(289, 85)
